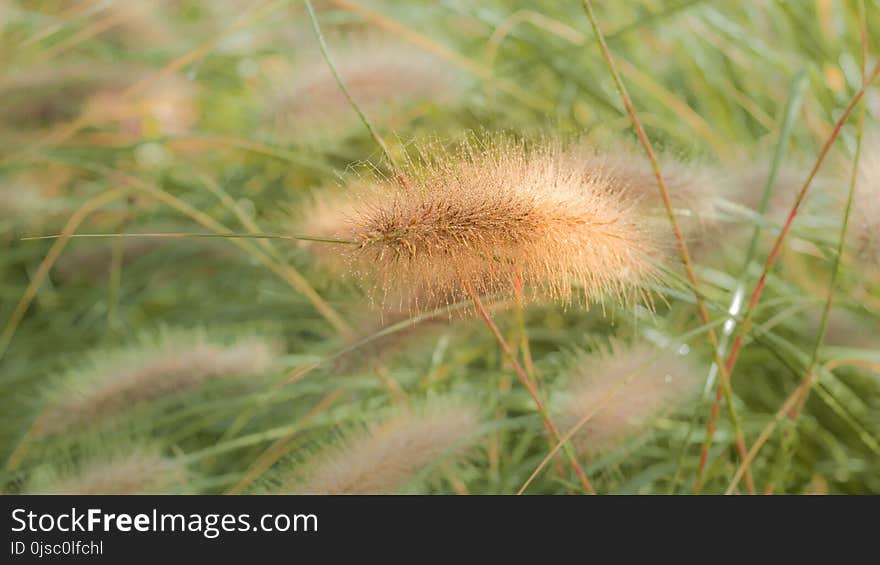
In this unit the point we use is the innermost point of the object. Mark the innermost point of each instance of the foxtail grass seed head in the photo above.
(122, 379)
(865, 223)
(139, 472)
(694, 190)
(383, 458)
(386, 79)
(487, 216)
(623, 389)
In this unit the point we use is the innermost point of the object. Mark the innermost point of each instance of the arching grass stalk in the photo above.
(724, 381)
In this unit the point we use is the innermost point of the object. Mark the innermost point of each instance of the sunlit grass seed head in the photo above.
(117, 380)
(486, 216)
(622, 389)
(138, 471)
(383, 458)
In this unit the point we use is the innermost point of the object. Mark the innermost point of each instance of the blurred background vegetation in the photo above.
(199, 116)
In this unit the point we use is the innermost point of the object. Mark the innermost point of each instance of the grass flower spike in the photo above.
(380, 75)
(619, 392)
(383, 458)
(487, 216)
(139, 472)
(125, 378)
(866, 210)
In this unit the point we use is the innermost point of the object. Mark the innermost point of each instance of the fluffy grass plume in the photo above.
(623, 388)
(140, 471)
(381, 75)
(694, 189)
(485, 216)
(118, 380)
(384, 457)
(865, 224)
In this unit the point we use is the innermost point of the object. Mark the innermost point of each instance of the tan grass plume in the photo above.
(694, 190)
(487, 215)
(384, 77)
(383, 458)
(622, 389)
(865, 225)
(125, 378)
(142, 471)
